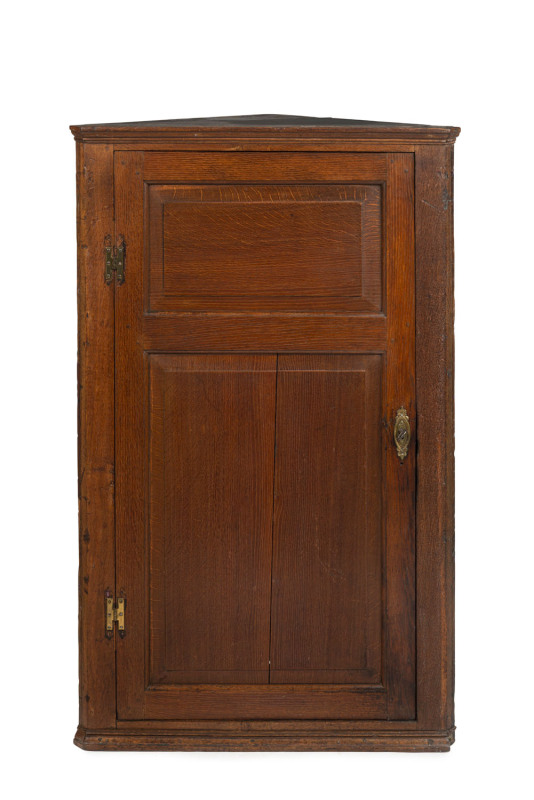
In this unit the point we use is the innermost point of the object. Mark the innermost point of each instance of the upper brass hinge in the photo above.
(115, 613)
(114, 259)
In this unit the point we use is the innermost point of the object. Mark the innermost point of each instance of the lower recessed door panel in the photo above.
(211, 451)
(266, 540)
(327, 561)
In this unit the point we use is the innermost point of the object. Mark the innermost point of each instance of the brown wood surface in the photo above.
(253, 738)
(95, 441)
(321, 653)
(254, 168)
(274, 126)
(268, 726)
(416, 593)
(172, 143)
(400, 477)
(327, 541)
(264, 248)
(266, 701)
(276, 333)
(435, 441)
(211, 450)
(131, 501)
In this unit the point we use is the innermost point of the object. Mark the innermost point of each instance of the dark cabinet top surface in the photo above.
(271, 124)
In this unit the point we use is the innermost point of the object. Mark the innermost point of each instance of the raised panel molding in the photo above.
(264, 248)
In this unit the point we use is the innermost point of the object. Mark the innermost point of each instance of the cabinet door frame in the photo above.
(139, 330)
(435, 452)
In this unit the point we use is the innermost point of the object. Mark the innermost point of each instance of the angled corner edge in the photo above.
(79, 737)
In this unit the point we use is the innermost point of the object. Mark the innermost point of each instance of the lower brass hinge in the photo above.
(114, 259)
(115, 613)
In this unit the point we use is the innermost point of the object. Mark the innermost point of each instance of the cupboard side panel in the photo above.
(435, 386)
(94, 180)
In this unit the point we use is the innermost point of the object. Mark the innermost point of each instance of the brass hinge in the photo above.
(114, 259)
(115, 613)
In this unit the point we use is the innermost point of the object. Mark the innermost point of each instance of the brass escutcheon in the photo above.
(402, 433)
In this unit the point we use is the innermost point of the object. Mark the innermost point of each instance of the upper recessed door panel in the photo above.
(300, 243)
(312, 248)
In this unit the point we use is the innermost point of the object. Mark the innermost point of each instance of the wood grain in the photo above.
(296, 129)
(274, 333)
(332, 656)
(172, 143)
(401, 318)
(435, 441)
(130, 441)
(400, 476)
(264, 248)
(327, 582)
(95, 434)
(250, 737)
(211, 440)
(289, 701)
(255, 168)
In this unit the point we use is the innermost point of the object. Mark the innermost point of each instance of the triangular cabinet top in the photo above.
(266, 126)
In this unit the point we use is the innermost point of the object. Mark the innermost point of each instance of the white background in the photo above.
(455, 63)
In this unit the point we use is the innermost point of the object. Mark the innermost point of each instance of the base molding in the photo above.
(369, 740)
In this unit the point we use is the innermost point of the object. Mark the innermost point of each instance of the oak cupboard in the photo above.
(265, 434)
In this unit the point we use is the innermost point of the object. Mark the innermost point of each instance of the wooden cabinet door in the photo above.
(264, 340)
